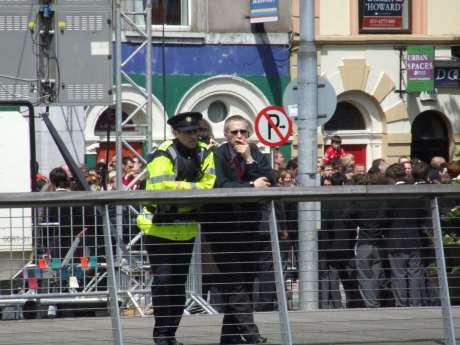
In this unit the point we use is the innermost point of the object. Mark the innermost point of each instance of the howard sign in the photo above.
(383, 14)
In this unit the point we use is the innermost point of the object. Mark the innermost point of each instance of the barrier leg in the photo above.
(194, 287)
(286, 335)
(112, 281)
(448, 321)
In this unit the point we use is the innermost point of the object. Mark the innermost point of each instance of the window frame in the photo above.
(406, 18)
(364, 122)
(169, 27)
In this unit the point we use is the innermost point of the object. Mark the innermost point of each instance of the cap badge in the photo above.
(188, 119)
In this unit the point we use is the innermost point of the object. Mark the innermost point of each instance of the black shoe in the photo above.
(173, 341)
(161, 341)
(254, 339)
(232, 340)
(167, 341)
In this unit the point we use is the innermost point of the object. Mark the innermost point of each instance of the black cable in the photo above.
(44, 50)
(163, 65)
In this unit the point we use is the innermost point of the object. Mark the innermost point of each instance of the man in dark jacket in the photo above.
(336, 253)
(404, 242)
(236, 238)
(369, 219)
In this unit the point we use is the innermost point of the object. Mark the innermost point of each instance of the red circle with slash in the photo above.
(273, 126)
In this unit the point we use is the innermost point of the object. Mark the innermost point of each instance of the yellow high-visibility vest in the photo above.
(162, 175)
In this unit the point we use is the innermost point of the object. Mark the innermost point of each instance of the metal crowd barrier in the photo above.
(386, 259)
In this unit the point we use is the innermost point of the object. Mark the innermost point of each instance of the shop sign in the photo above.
(420, 70)
(263, 11)
(447, 77)
(384, 15)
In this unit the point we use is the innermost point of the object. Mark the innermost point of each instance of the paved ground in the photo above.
(332, 327)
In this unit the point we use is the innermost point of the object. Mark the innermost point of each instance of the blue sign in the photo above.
(264, 11)
(447, 77)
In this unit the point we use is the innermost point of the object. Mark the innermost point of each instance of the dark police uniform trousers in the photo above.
(170, 261)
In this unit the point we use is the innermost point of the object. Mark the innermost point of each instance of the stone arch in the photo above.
(132, 99)
(372, 135)
(356, 75)
(239, 96)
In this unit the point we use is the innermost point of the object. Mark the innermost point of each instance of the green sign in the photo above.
(420, 69)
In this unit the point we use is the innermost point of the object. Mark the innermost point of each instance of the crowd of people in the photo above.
(372, 250)
(101, 177)
(376, 253)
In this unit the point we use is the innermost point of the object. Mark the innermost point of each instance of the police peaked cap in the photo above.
(185, 121)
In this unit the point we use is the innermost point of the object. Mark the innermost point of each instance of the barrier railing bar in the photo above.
(448, 321)
(114, 309)
(11, 200)
(286, 334)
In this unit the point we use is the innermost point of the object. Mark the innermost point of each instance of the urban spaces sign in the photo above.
(420, 70)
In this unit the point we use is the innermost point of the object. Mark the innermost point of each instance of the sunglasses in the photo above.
(241, 131)
(191, 131)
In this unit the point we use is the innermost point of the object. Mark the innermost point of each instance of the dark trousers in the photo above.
(170, 261)
(369, 270)
(236, 264)
(324, 284)
(344, 271)
(407, 277)
(264, 272)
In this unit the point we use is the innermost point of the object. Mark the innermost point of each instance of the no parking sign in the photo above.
(273, 126)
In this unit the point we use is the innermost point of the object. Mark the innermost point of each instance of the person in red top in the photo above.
(334, 151)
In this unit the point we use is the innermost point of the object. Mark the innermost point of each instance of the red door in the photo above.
(358, 151)
(101, 152)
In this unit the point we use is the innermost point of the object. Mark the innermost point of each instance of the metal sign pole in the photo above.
(118, 127)
(148, 74)
(307, 132)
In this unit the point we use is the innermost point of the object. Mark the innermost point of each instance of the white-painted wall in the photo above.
(335, 17)
(15, 224)
(70, 124)
(442, 17)
(386, 59)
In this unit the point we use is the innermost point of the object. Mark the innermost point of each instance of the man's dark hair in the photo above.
(336, 139)
(59, 178)
(376, 178)
(420, 171)
(454, 169)
(375, 167)
(395, 172)
(338, 179)
(358, 179)
(291, 164)
(126, 159)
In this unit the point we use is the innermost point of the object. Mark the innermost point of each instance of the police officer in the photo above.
(180, 164)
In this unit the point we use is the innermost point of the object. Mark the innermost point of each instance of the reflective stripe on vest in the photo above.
(173, 232)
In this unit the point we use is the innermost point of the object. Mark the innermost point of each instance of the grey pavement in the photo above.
(421, 326)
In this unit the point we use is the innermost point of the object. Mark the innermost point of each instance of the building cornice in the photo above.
(189, 37)
(389, 39)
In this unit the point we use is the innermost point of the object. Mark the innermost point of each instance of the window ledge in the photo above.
(169, 36)
(188, 37)
(387, 38)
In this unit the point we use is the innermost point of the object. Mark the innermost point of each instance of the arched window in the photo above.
(429, 136)
(108, 117)
(346, 117)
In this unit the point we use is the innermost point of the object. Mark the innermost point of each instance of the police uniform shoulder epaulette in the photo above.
(163, 150)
